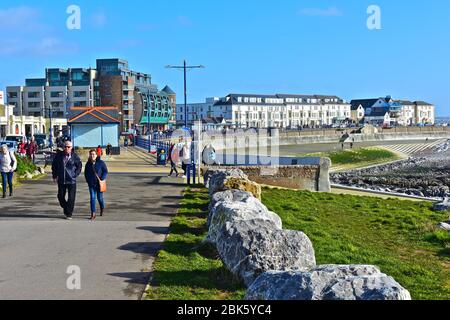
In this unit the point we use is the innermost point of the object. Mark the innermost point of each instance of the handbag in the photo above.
(101, 183)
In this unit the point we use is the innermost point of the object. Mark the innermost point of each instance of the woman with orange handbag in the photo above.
(96, 173)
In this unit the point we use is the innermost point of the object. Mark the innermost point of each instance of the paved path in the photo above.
(114, 253)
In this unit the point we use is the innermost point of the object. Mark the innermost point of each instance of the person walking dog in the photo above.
(66, 168)
(96, 173)
(8, 164)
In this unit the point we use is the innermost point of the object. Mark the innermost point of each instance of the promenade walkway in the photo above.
(115, 253)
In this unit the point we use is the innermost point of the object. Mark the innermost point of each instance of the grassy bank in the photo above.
(186, 269)
(357, 158)
(400, 237)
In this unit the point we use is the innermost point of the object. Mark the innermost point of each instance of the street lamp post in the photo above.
(185, 67)
(50, 143)
(148, 103)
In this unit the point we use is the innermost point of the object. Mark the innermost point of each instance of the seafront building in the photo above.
(270, 111)
(11, 124)
(141, 105)
(387, 111)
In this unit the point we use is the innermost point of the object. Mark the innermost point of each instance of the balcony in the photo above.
(128, 98)
(128, 107)
(128, 117)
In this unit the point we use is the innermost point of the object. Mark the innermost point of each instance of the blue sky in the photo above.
(249, 46)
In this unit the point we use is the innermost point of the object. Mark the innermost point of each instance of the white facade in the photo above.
(281, 111)
(11, 124)
(401, 112)
(196, 111)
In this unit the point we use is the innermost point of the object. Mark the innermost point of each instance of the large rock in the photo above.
(243, 185)
(234, 211)
(442, 206)
(329, 282)
(221, 174)
(250, 248)
(445, 225)
(222, 180)
(244, 198)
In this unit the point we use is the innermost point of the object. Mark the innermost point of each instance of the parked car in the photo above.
(12, 145)
(14, 137)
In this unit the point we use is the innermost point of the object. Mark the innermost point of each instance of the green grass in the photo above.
(358, 157)
(400, 237)
(186, 268)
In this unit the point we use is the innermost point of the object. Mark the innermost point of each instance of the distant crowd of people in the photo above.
(28, 148)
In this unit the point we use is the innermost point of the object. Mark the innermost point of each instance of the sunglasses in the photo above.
(67, 147)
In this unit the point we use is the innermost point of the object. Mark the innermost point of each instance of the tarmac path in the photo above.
(41, 252)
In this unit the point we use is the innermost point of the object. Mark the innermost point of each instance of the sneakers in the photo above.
(68, 218)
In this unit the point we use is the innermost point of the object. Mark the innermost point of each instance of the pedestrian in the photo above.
(108, 149)
(185, 156)
(95, 173)
(351, 145)
(174, 159)
(21, 149)
(125, 144)
(31, 149)
(342, 146)
(99, 151)
(8, 164)
(66, 168)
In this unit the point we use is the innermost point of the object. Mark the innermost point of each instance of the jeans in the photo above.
(69, 204)
(95, 194)
(173, 167)
(7, 177)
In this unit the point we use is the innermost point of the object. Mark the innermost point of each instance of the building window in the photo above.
(33, 95)
(56, 94)
(34, 104)
(79, 94)
(12, 95)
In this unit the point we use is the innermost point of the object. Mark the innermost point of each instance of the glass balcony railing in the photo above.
(128, 107)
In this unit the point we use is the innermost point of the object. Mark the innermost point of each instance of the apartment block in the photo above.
(271, 111)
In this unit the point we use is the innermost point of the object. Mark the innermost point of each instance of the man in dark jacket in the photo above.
(66, 167)
(94, 171)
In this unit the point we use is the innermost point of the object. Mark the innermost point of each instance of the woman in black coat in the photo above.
(94, 171)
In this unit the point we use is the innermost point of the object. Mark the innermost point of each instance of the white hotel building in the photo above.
(264, 111)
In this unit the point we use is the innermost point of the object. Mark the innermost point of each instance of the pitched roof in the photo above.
(378, 113)
(365, 103)
(213, 120)
(101, 115)
(422, 103)
(168, 90)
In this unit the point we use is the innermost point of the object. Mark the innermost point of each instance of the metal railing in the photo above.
(148, 143)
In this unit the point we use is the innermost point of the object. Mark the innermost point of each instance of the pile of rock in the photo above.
(31, 175)
(277, 264)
